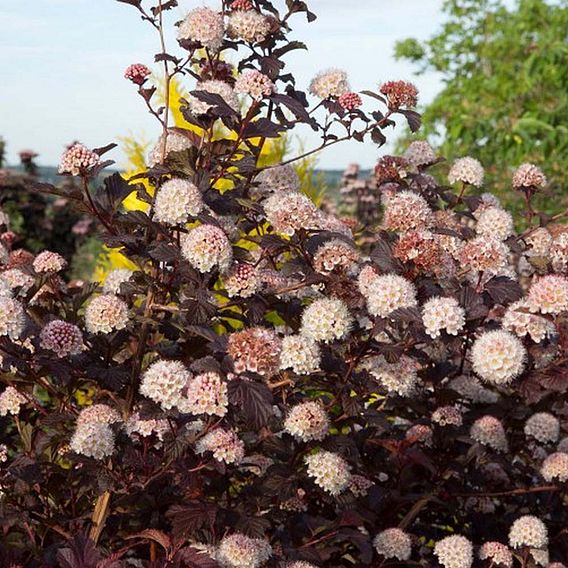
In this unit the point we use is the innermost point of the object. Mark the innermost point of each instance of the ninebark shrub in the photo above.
(259, 391)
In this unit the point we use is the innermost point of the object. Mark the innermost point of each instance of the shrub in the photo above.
(259, 393)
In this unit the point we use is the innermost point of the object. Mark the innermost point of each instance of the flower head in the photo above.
(254, 83)
(114, 280)
(289, 212)
(99, 413)
(454, 551)
(326, 319)
(205, 394)
(543, 426)
(248, 25)
(204, 26)
(279, 179)
(528, 176)
(539, 243)
(207, 246)
(137, 73)
(240, 551)
(242, 280)
(397, 378)
(555, 466)
(256, 350)
(11, 401)
(521, 322)
(389, 292)
(528, 531)
(329, 83)
(559, 253)
(105, 314)
(467, 170)
(300, 353)
(443, 314)
(61, 337)
(177, 200)
(498, 356)
(329, 471)
(393, 543)
(407, 210)
(307, 421)
(223, 444)
(49, 262)
(335, 255)
(400, 94)
(549, 294)
(485, 254)
(420, 153)
(391, 169)
(164, 381)
(12, 318)
(496, 223)
(93, 439)
(447, 416)
(78, 160)
(350, 101)
(489, 431)
(498, 553)
(17, 278)
(175, 142)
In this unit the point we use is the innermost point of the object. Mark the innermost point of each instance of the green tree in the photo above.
(504, 98)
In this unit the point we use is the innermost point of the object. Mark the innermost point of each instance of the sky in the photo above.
(63, 61)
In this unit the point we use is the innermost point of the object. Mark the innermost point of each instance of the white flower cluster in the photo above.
(520, 321)
(388, 292)
(326, 320)
(329, 83)
(528, 531)
(11, 401)
(442, 314)
(543, 427)
(204, 26)
(467, 170)
(206, 394)
(393, 543)
(498, 357)
(105, 314)
(224, 445)
(241, 551)
(177, 200)
(555, 466)
(300, 353)
(206, 247)
(454, 551)
(12, 318)
(307, 421)
(248, 25)
(164, 381)
(489, 431)
(397, 378)
(495, 222)
(329, 471)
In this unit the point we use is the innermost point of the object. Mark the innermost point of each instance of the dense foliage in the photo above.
(504, 73)
(259, 391)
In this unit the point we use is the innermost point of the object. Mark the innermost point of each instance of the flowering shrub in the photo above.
(258, 392)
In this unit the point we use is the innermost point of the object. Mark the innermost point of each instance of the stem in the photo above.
(167, 80)
(323, 145)
(94, 208)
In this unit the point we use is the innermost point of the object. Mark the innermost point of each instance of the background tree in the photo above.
(504, 75)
